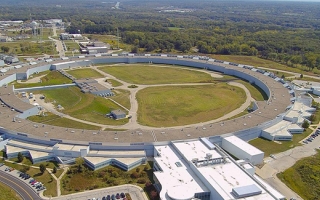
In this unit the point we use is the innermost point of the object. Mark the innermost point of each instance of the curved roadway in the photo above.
(20, 187)
(268, 110)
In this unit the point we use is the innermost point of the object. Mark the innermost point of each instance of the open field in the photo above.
(122, 97)
(8, 193)
(181, 105)
(151, 74)
(52, 78)
(71, 45)
(45, 178)
(303, 177)
(258, 62)
(270, 147)
(83, 105)
(114, 83)
(56, 120)
(111, 39)
(29, 48)
(85, 73)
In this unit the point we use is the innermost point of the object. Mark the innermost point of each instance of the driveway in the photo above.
(283, 161)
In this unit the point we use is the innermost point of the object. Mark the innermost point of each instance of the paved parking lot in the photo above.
(135, 192)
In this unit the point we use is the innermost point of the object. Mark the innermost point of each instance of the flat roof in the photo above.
(174, 176)
(223, 177)
(243, 145)
(283, 124)
(196, 149)
(117, 153)
(7, 95)
(28, 145)
(70, 147)
(38, 154)
(97, 160)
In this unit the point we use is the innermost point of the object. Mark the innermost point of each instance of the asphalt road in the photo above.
(19, 186)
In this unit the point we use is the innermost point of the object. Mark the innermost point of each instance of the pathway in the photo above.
(133, 124)
(283, 161)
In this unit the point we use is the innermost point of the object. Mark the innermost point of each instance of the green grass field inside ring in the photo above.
(153, 74)
(182, 105)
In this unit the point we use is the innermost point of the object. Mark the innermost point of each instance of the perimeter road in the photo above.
(18, 186)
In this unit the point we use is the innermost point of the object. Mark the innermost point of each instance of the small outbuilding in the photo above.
(118, 114)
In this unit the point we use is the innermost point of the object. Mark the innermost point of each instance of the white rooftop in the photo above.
(173, 176)
(180, 178)
(282, 125)
(26, 145)
(70, 147)
(98, 160)
(243, 145)
(117, 153)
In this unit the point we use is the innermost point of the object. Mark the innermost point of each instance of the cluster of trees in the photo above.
(286, 32)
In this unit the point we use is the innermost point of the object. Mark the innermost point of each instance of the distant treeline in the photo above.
(286, 32)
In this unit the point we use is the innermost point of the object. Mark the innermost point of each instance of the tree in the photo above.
(5, 49)
(305, 124)
(20, 157)
(313, 117)
(135, 49)
(42, 168)
(54, 170)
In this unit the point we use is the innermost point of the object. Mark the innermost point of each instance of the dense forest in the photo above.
(286, 32)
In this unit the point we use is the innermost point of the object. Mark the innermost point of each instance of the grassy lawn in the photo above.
(122, 97)
(270, 147)
(48, 164)
(58, 173)
(85, 73)
(83, 105)
(114, 83)
(303, 177)
(8, 193)
(56, 120)
(280, 74)
(151, 74)
(257, 62)
(29, 48)
(317, 120)
(75, 181)
(52, 78)
(71, 45)
(45, 178)
(26, 160)
(180, 105)
(257, 93)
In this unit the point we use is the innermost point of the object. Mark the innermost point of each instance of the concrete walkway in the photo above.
(65, 169)
(133, 124)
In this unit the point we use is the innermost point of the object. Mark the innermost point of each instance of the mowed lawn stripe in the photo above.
(182, 105)
(85, 73)
(150, 74)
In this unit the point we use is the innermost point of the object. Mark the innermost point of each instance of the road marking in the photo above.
(18, 186)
